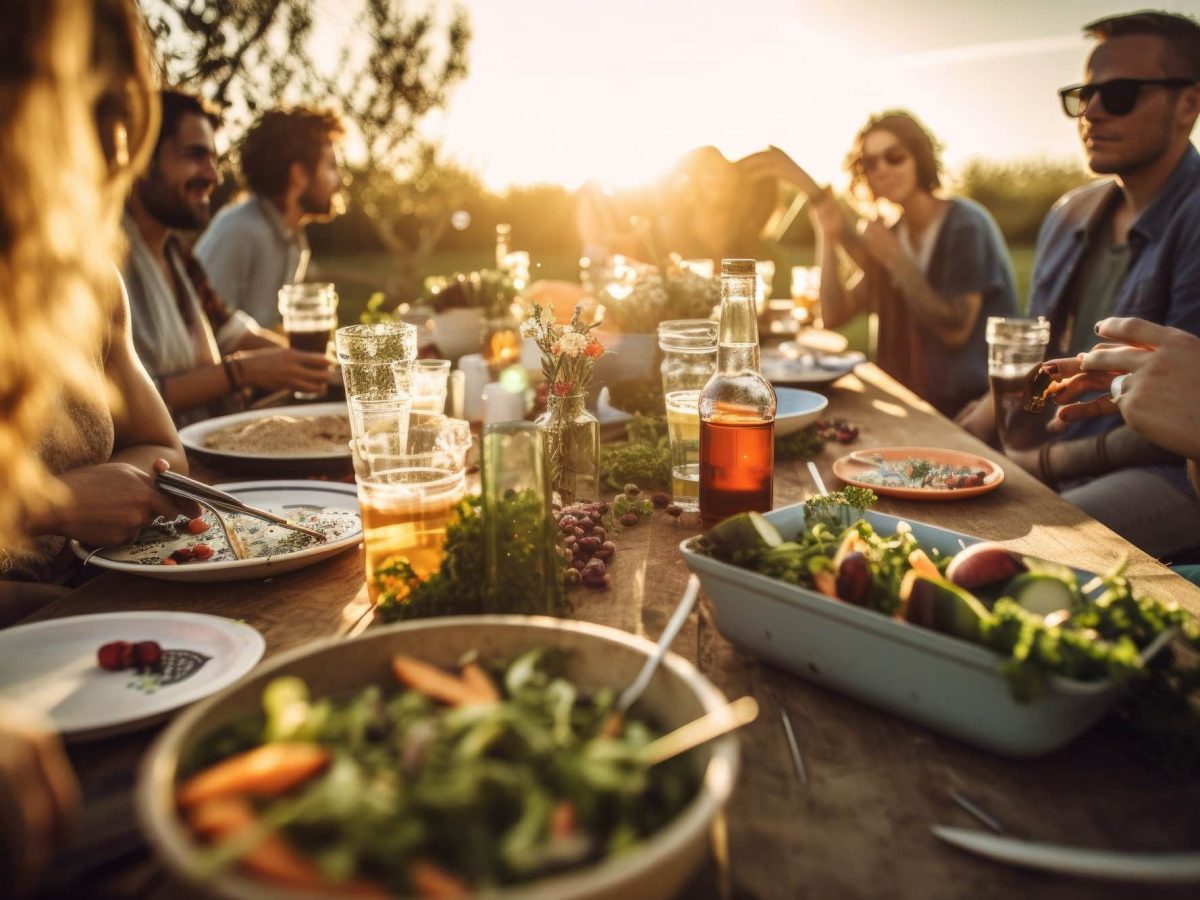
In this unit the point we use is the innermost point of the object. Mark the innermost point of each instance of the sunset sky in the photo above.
(566, 90)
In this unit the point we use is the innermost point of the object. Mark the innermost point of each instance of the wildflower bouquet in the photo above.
(568, 351)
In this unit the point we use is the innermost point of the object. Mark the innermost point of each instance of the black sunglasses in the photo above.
(1118, 96)
(893, 156)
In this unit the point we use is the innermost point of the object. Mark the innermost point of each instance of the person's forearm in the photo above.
(144, 455)
(951, 319)
(836, 301)
(1089, 457)
(258, 338)
(206, 384)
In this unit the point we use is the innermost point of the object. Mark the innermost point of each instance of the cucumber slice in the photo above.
(743, 536)
(1043, 593)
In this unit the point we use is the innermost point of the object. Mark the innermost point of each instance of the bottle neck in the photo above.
(737, 335)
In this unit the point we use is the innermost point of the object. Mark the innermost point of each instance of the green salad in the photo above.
(457, 782)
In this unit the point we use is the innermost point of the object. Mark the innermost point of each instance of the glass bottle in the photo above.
(737, 408)
(520, 549)
(503, 230)
(572, 449)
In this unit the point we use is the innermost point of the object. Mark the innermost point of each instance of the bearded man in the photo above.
(253, 248)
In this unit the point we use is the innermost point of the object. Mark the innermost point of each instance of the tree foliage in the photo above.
(1020, 193)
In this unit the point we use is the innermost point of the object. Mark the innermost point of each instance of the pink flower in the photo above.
(556, 348)
(594, 349)
(563, 388)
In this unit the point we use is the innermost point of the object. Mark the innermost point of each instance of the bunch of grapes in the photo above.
(586, 544)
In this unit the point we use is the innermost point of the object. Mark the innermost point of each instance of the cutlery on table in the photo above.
(1114, 865)
(797, 759)
(221, 502)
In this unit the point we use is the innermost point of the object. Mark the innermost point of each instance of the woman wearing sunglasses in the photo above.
(932, 278)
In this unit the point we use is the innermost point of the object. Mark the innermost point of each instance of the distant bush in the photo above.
(1018, 194)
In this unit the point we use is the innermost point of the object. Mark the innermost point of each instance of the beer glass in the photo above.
(408, 488)
(1016, 348)
(683, 434)
(309, 312)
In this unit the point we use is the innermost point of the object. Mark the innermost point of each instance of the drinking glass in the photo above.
(806, 294)
(1016, 348)
(407, 491)
(429, 380)
(309, 312)
(689, 348)
(765, 268)
(380, 415)
(368, 355)
(683, 433)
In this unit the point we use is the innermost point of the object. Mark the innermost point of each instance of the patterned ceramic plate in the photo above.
(51, 666)
(329, 507)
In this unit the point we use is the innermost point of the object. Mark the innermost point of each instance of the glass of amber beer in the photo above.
(1016, 348)
(408, 487)
(309, 312)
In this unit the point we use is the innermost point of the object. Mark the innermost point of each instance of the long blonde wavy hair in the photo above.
(78, 117)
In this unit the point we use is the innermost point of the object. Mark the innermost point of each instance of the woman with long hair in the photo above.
(81, 426)
(932, 277)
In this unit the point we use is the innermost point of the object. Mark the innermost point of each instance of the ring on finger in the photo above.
(1117, 388)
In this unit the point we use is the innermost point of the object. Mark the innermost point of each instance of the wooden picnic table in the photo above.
(860, 827)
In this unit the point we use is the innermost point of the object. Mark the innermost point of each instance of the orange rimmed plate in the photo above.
(853, 466)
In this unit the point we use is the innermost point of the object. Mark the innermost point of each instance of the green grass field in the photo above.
(357, 277)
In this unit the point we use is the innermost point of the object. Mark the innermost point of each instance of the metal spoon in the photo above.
(630, 695)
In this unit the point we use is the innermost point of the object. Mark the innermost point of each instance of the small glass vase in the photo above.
(572, 449)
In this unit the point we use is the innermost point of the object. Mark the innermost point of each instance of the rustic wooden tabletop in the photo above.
(860, 827)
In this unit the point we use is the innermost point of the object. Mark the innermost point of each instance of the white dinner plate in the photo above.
(193, 436)
(52, 667)
(330, 507)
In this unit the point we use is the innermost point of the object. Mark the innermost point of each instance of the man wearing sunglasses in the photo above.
(1128, 245)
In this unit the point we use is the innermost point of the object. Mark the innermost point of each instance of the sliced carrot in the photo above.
(226, 818)
(825, 582)
(480, 682)
(923, 564)
(562, 819)
(429, 879)
(433, 682)
(262, 772)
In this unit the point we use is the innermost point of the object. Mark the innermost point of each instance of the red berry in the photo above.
(203, 551)
(147, 655)
(170, 561)
(183, 554)
(113, 655)
(197, 525)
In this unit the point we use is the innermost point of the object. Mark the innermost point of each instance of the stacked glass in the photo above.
(689, 348)
(408, 487)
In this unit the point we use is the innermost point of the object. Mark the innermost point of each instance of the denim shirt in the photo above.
(1161, 285)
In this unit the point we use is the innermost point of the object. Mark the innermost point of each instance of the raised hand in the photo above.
(280, 368)
(1157, 395)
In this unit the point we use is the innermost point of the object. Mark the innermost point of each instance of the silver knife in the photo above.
(1114, 865)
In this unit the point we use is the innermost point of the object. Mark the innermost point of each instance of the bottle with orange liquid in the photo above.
(737, 408)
